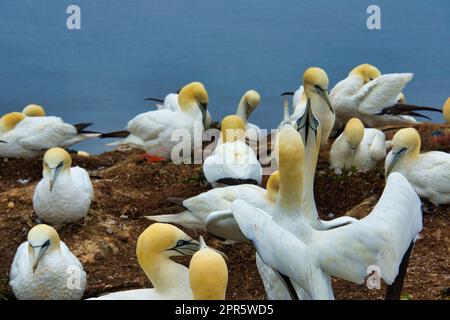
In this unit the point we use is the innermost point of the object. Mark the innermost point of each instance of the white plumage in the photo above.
(381, 239)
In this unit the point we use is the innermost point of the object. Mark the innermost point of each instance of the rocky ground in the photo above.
(127, 188)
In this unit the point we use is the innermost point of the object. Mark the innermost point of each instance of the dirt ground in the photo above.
(127, 188)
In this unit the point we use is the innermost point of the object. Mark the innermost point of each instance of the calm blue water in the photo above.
(129, 50)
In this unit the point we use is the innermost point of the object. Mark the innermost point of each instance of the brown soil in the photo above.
(127, 188)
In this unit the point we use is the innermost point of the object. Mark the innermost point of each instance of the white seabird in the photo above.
(45, 269)
(357, 147)
(170, 280)
(64, 194)
(232, 161)
(428, 173)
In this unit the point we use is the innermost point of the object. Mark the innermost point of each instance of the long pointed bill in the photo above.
(187, 248)
(324, 95)
(38, 252)
(307, 121)
(203, 245)
(54, 173)
(203, 107)
(396, 156)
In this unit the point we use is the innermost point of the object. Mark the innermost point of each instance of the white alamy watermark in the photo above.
(73, 21)
(374, 20)
(374, 279)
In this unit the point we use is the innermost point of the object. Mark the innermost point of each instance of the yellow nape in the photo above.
(10, 120)
(273, 186)
(40, 233)
(289, 149)
(354, 132)
(446, 110)
(192, 93)
(34, 110)
(55, 156)
(408, 138)
(367, 71)
(315, 76)
(208, 275)
(232, 128)
(252, 98)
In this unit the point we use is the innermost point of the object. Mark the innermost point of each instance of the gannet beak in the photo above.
(307, 120)
(37, 254)
(396, 156)
(247, 110)
(203, 107)
(203, 245)
(54, 173)
(186, 247)
(324, 94)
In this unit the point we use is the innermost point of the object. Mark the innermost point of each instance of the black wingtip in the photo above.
(401, 108)
(154, 99)
(81, 126)
(115, 134)
(287, 93)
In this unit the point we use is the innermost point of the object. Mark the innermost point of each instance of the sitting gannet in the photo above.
(64, 194)
(208, 274)
(170, 102)
(232, 161)
(33, 110)
(446, 110)
(280, 236)
(205, 211)
(372, 98)
(428, 173)
(155, 246)
(152, 131)
(28, 137)
(45, 269)
(248, 103)
(358, 148)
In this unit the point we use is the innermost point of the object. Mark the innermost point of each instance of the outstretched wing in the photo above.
(382, 92)
(380, 239)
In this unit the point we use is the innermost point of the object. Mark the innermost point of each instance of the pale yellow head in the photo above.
(405, 147)
(252, 100)
(289, 149)
(315, 84)
(366, 71)
(354, 132)
(10, 120)
(273, 186)
(56, 161)
(42, 239)
(194, 95)
(208, 275)
(446, 110)
(34, 110)
(232, 128)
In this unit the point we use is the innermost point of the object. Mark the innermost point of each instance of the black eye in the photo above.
(180, 243)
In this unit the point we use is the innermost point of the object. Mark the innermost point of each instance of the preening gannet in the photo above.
(45, 269)
(208, 274)
(28, 137)
(152, 131)
(64, 194)
(357, 148)
(170, 102)
(248, 103)
(232, 161)
(211, 210)
(372, 98)
(446, 110)
(428, 173)
(33, 110)
(170, 280)
(380, 239)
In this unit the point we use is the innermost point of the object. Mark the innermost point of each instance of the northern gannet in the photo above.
(428, 173)
(170, 280)
(28, 137)
(208, 274)
(152, 131)
(380, 239)
(170, 102)
(248, 103)
(446, 110)
(372, 97)
(357, 148)
(33, 110)
(205, 211)
(45, 269)
(232, 161)
(64, 194)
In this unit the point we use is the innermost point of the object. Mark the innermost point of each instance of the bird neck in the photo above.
(309, 168)
(291, 185)
(163, 273)
(242, 110)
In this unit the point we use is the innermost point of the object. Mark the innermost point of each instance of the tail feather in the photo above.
(184, 218)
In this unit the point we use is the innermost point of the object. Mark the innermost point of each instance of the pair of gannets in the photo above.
(31, 110)
(44, 268)
(428, 173)
(357, 147)
(30, 136)
(206, 278)
(232, 161)
(287, 243)
(372, 97)
(315, 88)
(153, 131)
(64, 194)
